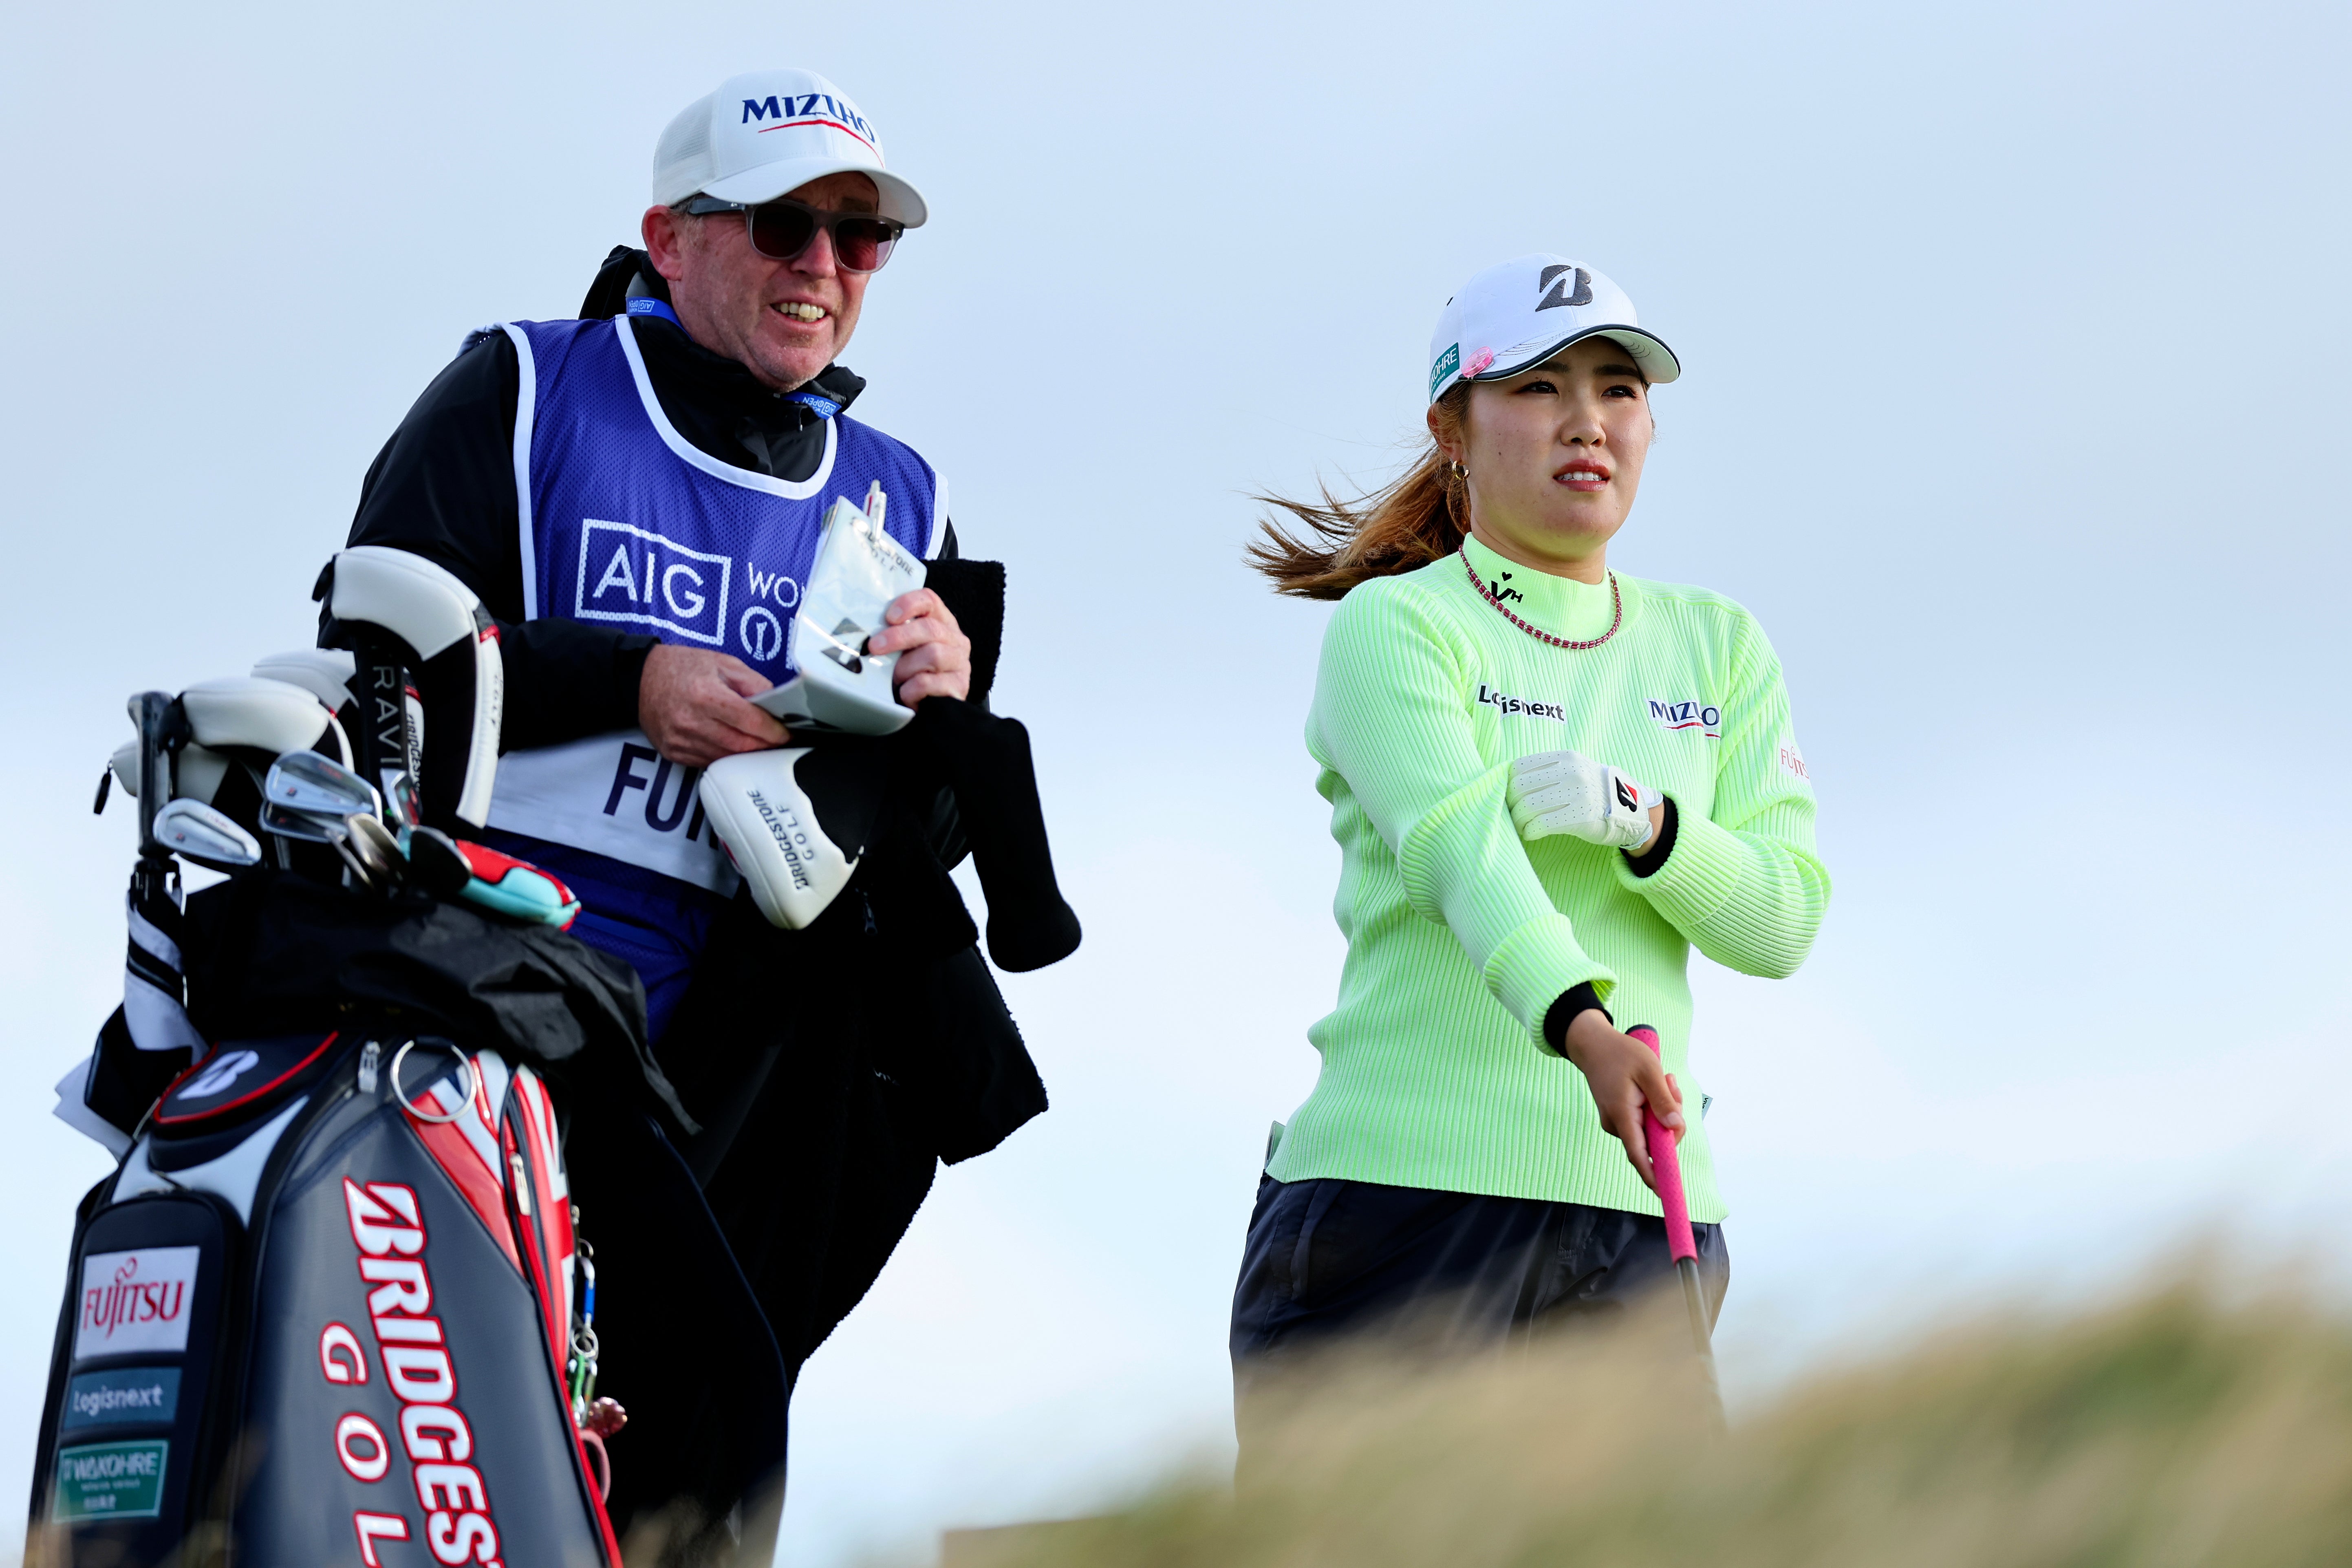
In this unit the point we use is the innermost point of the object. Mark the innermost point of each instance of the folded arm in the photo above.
(1390, 717)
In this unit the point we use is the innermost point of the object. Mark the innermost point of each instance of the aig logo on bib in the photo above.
(632, 575)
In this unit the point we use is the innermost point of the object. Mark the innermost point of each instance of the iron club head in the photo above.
(314, 785)
(317, 827)
(194, 831)
(373, 842)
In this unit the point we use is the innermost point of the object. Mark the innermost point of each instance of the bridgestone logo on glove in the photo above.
(1556, 792)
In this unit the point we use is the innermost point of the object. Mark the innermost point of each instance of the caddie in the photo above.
(637, 497)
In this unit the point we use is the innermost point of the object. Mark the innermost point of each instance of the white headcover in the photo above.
(769, 828)
(428, 607)
(197, 777)
(267, 715)
(325, 672)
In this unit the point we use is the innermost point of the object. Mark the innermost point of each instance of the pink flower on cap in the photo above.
(1478, 363)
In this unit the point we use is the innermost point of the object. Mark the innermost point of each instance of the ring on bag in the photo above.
(473, 1078)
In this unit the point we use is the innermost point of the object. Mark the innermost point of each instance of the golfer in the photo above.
(1549, 780)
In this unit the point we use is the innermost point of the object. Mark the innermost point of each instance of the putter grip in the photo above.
(1667, 1165)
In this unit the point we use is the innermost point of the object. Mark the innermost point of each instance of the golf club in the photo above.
(1666, 1161)
(162, 726)
(317, 785)
(314, 799)
(194, 831)
(309, 828)
(374, 843)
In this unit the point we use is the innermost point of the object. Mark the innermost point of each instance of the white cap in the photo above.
(1515, 316)
(755, 137)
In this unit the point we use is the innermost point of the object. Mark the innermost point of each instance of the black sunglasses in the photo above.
(782, 230)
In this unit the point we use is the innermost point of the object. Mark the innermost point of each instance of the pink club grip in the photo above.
(1667, 1165)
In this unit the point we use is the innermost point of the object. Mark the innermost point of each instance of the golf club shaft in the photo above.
(1694, 1298)
(1666, 1168)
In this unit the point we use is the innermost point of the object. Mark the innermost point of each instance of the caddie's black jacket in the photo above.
(829, 1070)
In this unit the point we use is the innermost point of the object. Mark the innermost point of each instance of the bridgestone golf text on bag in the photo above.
(320, 1317)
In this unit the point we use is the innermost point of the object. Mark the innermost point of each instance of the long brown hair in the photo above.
(1321, 551)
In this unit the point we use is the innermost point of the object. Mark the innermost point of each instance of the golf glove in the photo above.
(1567, 792)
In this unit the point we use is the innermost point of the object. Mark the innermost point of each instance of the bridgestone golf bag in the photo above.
(324, 1308)
(331, 1308)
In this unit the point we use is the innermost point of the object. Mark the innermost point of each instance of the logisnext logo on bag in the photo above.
(633, 574)
(135, 1301)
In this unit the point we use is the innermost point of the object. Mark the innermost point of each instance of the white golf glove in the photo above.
(1567, 792)
(769, 827)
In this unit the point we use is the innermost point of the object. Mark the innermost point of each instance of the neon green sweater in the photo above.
(1460, 936)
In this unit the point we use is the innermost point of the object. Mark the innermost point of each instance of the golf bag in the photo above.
(323, 1307)
(331, 1307)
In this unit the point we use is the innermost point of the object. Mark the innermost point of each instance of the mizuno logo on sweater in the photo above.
(1699, 716)
(1489, 697)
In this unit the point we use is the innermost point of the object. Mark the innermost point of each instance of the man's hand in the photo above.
(934, 656)
(1624, 1076)
(691, 705)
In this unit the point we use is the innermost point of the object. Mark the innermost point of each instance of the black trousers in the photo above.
(1459, 1271)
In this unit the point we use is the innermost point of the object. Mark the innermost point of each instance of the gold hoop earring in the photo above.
(1461, 470)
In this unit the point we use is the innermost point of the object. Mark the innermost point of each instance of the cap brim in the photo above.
(900, 200)
(1656, 361)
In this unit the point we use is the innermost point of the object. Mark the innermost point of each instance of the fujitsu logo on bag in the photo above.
(135, 1301)
(433, 1432)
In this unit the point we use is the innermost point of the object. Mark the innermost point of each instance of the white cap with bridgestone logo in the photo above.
(1515, 316)
(754, 138)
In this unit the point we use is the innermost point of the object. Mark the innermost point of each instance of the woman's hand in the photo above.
(1568, 792)
(1626, 1078)
(934, 655)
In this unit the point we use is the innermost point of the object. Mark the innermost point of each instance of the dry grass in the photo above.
(2170, 1431)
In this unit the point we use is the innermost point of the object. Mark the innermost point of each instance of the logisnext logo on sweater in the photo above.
(1699, 716)
(1503, 703)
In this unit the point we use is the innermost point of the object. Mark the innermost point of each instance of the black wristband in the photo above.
(1562, 1013)
(1650, 863)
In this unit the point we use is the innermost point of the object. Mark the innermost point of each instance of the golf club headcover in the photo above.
(794, 821)
(325, 672)
(400, 611)
(987, 762)
(265, 716)
(259, 715)
(1666, 1165)
(476, 874)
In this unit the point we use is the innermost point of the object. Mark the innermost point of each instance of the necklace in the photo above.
(1616, 609)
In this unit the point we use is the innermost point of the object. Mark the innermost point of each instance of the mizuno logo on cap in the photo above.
(806, 108)
(1564, 292)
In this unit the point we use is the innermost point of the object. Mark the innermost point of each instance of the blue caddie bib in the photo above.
(627, 524)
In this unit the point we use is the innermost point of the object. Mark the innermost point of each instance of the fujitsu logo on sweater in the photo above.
(1489, 697)
(1702, 717)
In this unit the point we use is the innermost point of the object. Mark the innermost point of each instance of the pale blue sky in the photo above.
(2014, 340)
